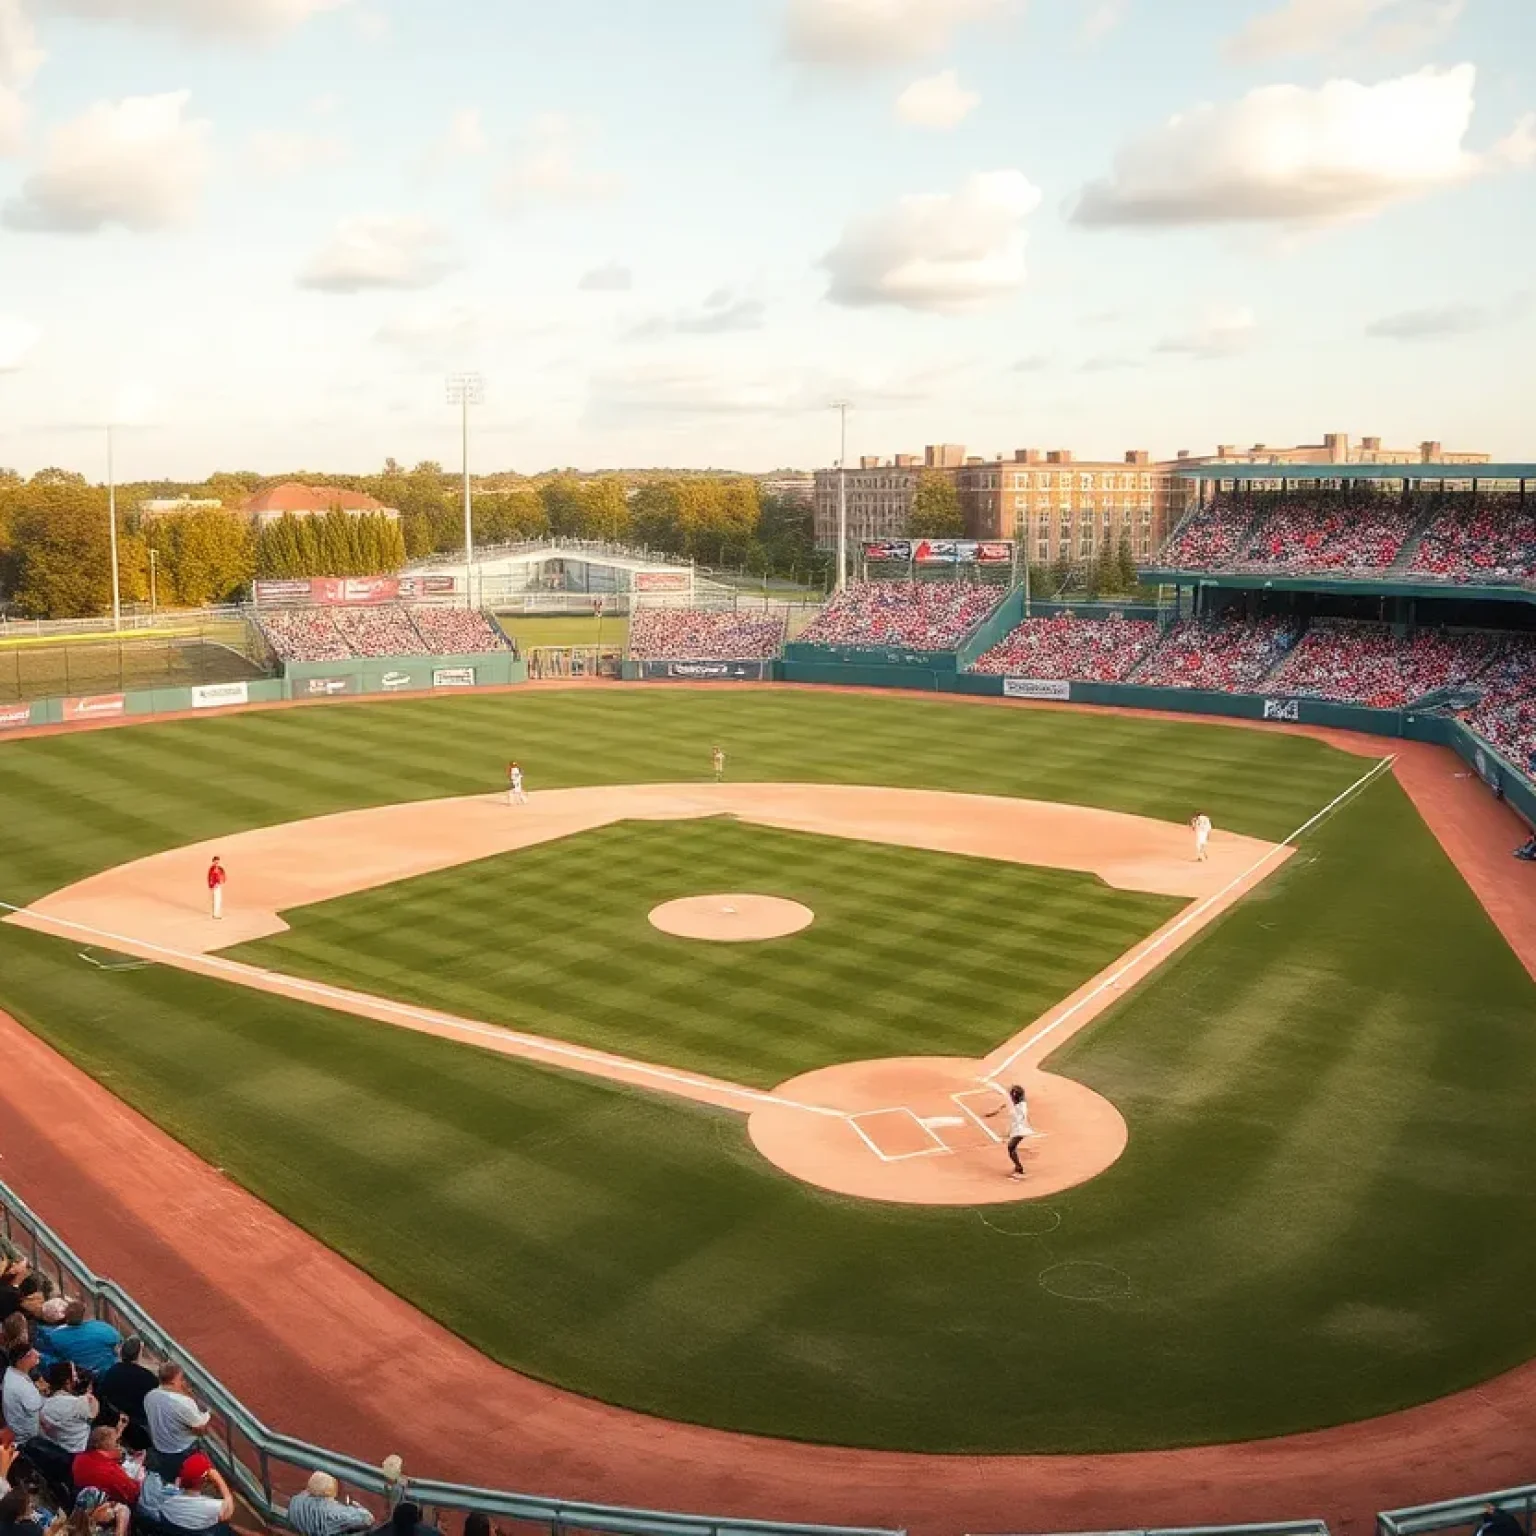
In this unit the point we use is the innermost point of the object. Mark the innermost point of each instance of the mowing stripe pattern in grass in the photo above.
(1327, 1208)
(911, 953)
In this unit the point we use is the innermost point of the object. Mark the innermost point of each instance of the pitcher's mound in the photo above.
(732, 918)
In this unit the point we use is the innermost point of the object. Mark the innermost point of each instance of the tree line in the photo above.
(55, 552)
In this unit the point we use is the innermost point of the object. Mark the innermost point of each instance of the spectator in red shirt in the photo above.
(103, 1466)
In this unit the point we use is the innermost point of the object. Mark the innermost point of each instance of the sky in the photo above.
(259, 234)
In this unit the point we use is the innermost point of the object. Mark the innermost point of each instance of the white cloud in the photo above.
(862, 33)
(1285, 154)
(437, 331)
(375, 26)
(1224, 330)
(938, 101)
(277, 154)
(1300, 27)
(612, 277)
(938, 252)
(362, 254)
(466, 133)
(1104, 17)
(547, 166)
(17, 338)
(240, 19)
(20, 60)
(722, 313)
(140, 163)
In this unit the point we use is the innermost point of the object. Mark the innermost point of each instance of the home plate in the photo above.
(937, 1122)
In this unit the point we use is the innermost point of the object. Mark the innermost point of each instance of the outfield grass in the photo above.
(912, 953)
(1327, 1208)
(564, 629)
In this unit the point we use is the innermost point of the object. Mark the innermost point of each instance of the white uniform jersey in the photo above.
(1202, 827)
(1018, 1119)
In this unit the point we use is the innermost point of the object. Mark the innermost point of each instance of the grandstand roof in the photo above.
(1411, 471)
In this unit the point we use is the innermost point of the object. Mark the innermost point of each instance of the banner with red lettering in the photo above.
(102, 707)
(12, 715)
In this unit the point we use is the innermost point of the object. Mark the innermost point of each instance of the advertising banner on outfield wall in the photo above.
(103, 707)
(324, 687)
(1282, 709)
(393, 682)
(1036, 688)
(454, 677)
(941, 551)
(12, 715)
(220, 695)
(707, 671)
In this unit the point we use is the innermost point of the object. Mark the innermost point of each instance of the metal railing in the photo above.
(1457, 1514)
(1266, 1528)
(265, 1467)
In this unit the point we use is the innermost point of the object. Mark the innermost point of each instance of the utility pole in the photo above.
(465, 390)
(117, 587)
(842, 408)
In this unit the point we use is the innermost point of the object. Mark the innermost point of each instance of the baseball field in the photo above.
(1321, 1205)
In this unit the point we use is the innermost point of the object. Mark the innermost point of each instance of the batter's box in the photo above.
(894, 1135)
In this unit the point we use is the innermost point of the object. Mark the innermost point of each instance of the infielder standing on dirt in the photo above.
(217, 875)
(515, 795)
(1202, 826)
(1018, 1124)
(717, 762)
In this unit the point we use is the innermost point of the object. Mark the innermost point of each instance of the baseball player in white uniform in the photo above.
(1202, 826)
(515, 795)
(1019, 1127)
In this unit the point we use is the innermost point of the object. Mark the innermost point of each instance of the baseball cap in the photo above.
(194, 1469)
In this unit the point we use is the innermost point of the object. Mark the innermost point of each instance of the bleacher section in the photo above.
(693, 634)
(343, 634)
(1362, 530)
(917, 615)
(1230, 655)
(1066, 648)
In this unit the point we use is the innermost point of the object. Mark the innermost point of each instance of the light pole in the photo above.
(465, 390)
(842, 408)
(117, 590)
(154, 585)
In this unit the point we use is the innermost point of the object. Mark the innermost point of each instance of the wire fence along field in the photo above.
(216, 653)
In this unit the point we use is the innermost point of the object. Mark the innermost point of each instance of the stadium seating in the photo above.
(344, 634)
(304, 634)
(1352, 663)
(923, 615)
(1487, 537)
(1072, 649)
(1231, 655)
(457, 631)
(1329, 532)
(692, 634)
(379, 632)
(1505, 717)
(1210, 539)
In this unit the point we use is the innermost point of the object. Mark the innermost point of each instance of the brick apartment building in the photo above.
(1065, 507)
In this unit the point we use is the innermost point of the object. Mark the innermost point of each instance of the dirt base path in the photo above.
(214, 1265)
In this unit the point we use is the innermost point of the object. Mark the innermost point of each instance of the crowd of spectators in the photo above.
(1506, 714)
(100, 1445)
(1361, 530)
(342, 634)
(1209, 539)
(1065, 648)
(920, 615)
(457, 631)
(379, 632)
(1228, 654)
(1354, 663)
(1329, 532)
(694, 634)
(1489, 537)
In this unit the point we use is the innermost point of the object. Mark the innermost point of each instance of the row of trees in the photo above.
(55, 558)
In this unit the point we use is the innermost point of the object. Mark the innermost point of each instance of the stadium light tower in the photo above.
(465, 390)
(117, 584)
(842, 407)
